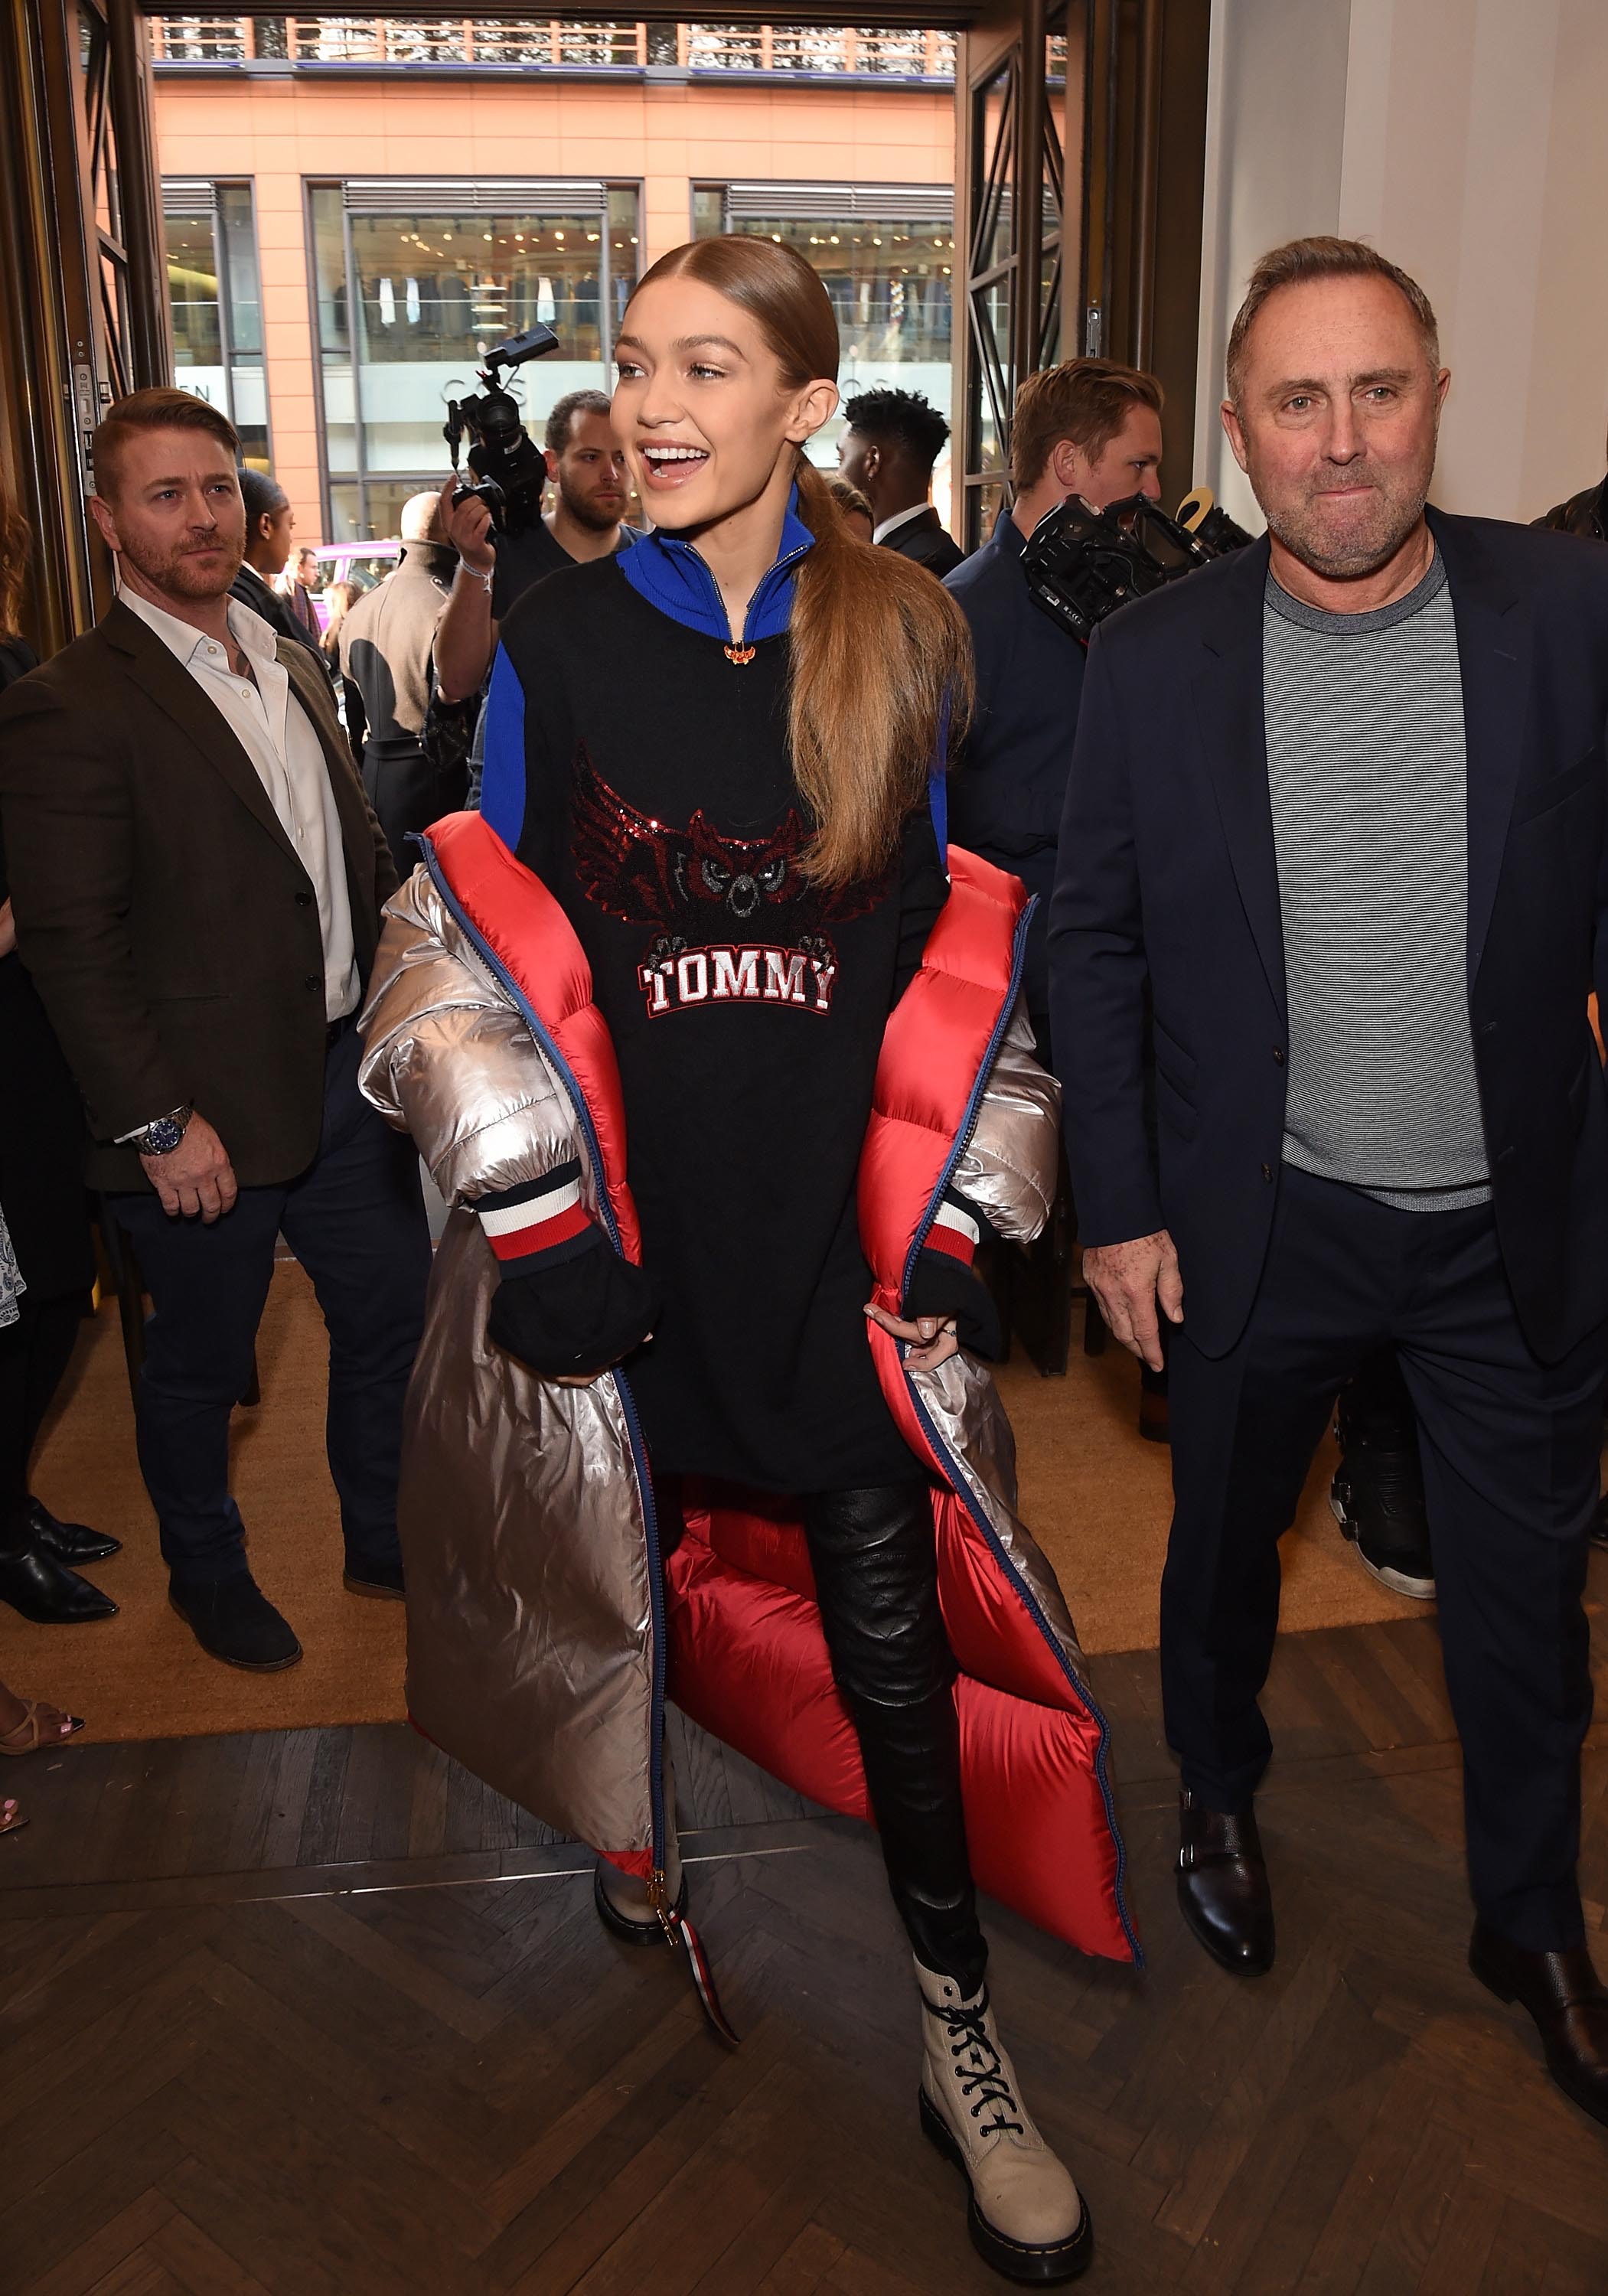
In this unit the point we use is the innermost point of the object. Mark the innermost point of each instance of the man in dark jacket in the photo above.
(891, 441)
(270, 524)
(1339, 804)
(1585, 513)
(197, 883)
(1092, 428)
(385, 654)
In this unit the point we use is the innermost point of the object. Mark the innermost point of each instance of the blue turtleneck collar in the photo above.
(670, 574)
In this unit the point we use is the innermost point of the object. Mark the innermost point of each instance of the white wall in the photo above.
(1468, 140)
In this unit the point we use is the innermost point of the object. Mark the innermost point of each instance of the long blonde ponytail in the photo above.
(882, 676)
(881, 656)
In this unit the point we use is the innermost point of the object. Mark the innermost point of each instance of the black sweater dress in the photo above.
(747, 1011)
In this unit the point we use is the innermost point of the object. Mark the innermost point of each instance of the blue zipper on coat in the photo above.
(959, 1485)
(639, 1457)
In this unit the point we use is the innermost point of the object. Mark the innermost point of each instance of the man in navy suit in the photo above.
(1340, 800)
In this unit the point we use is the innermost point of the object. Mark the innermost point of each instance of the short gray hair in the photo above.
(1300, 259)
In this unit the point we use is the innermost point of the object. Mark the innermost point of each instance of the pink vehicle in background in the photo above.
(365, 563)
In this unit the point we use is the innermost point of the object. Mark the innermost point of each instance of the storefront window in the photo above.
(888, 282)
(409, 301)
(888, 276)
(216, 300)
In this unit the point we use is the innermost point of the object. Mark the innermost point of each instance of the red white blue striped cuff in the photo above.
(538, 1217)
(956, 1230)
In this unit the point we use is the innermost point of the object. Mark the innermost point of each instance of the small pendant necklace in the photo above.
(740, 654)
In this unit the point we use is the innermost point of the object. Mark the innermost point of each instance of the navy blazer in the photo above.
(1167, 876)
(1007, 803)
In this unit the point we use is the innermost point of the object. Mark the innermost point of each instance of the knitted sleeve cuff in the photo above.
(944, 1282)
(540, 1224)
(956, 1229)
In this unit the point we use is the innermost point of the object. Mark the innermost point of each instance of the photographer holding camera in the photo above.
(588, 473)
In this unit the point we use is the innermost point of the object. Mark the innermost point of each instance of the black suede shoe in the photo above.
(385, 1580)
(234, 1620)
(1568, 2001)
(69, 1542)
(1223, 1891)
(45, 1590)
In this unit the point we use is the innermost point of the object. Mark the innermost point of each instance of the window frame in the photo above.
(479, 197)
(227, 355)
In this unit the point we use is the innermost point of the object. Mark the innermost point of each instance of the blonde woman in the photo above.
(715, 1419)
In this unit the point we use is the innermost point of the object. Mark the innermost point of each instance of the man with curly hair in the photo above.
(892, 440)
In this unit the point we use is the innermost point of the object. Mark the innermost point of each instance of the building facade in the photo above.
(355, 210)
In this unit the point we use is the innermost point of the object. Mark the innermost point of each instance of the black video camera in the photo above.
(510, 471)
(1082, 563)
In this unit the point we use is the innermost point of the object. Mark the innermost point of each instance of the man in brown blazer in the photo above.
(197, 879)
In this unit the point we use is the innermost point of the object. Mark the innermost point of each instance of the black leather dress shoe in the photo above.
(45, 1590)
(384, 1579)
(1569, 2003)
(1223, 1891)
(69, 1542)
(232, 1619)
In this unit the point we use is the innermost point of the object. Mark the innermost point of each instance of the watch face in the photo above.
(163, 1136)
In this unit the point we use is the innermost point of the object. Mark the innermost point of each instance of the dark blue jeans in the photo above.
(355, 1221)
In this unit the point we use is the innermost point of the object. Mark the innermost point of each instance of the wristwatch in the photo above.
(162, 1136)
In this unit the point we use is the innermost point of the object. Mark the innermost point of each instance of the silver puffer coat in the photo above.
(537, 1639)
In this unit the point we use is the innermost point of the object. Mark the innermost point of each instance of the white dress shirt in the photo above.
(901, 517)
(272, 727)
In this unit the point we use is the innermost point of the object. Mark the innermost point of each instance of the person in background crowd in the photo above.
(1377, 1492)
(340, 598)
(197, 879)
(384, 652)
(270, 524)
(892, 440)
(858, 516)
(1585, 513)
(591, 488)
(28, 1726)
(301, 584)
(43, 1205)
(1093, 428)
(1338, 806)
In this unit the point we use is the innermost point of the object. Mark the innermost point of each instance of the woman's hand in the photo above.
(8, 928)
(931, 1342)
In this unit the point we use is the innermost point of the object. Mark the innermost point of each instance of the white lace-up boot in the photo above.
(1026, 2218)
(622, 1901)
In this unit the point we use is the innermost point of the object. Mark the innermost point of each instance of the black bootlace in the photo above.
(984, 2083)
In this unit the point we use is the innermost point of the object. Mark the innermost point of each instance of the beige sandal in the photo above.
(28, 1736)
(11, 1820)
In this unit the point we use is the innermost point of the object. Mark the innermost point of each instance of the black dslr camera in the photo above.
(1083, 563)
(510, 471)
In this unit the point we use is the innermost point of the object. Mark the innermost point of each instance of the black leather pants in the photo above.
(877, 1580)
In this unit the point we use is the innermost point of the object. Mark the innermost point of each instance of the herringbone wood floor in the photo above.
(312, 2013)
